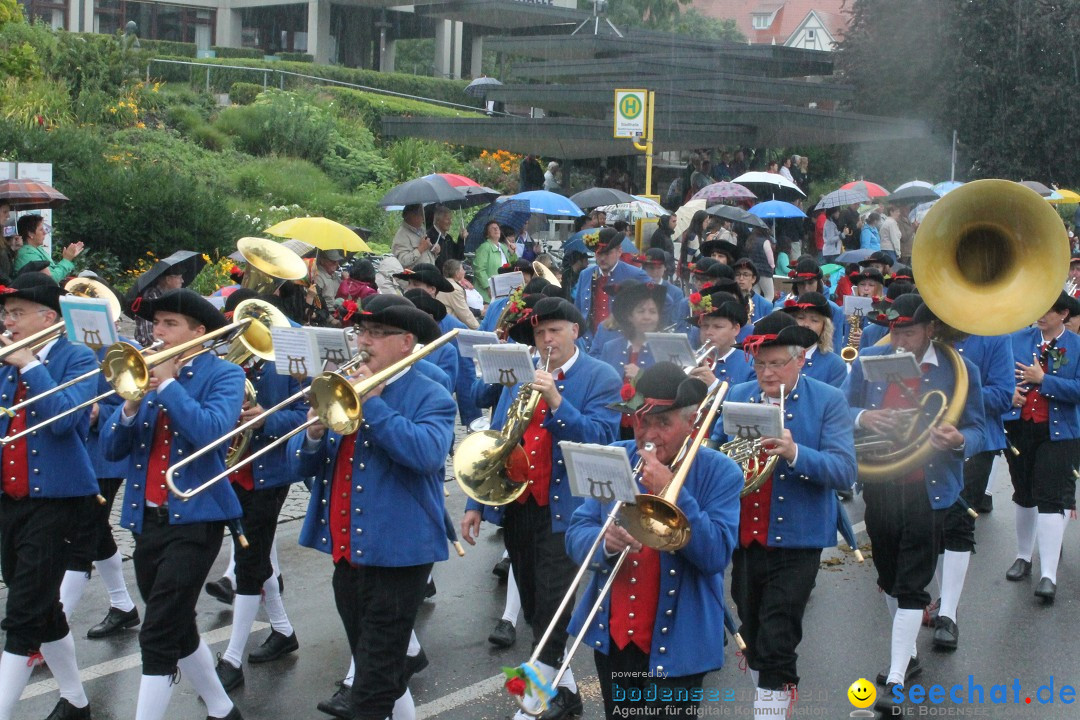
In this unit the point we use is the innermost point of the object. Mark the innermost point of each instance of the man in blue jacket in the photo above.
(47, 480)
(905, 515)
(787, 520)
(575, 391)
(191, 403)
(593, 297)
(662, 625)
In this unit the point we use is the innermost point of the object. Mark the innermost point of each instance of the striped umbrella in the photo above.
(872, 190)
(30, 195)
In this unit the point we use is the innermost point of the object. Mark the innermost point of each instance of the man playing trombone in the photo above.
(662, 624)
(47, 479)
(189, 403)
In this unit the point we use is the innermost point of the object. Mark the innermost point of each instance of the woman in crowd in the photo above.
(454, 272)
(494, 252)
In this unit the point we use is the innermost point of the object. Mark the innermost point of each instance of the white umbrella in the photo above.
(685, 214)
(915, 183)
(773, 180)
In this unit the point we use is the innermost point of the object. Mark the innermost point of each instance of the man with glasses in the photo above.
(786, 522)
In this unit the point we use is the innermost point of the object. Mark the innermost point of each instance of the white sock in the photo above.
(230, 571)
(112, 573)
(351, 674)
(275, 608)
(754, 676)
(937, 575)
(955, 567)
(1025, 531)
(274, 560)
(414, 645)
(245, 608)
(891, 604)
(404, 707)
(905, 630)
(567, 680)
(513, 600)
(506, 554)
(1050, 530)
(198, 668)
(60, 657)
(154, 694)
(1000, 466)
(71, 590)
(14, 674)
(771, 704)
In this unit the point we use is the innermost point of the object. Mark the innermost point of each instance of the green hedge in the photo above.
(296, 57)
(230, 52)
(242, 93)
(168, 47)
(221, 80)
(371, 107)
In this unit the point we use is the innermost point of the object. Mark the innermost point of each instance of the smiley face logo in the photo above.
(862, 693)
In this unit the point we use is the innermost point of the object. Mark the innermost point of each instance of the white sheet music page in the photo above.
(601, 472)
(505, 365)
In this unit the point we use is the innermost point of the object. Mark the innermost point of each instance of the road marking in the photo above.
(111, 667)
(460, 697)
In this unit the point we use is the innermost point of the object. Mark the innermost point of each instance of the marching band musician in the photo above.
(385, 477)
(662, 604)
(811, 310)
(807, 277)
(47, 480)
(905, 515)
(191, 403)
(786, 522)
(876, 329)
(576, 390)
(720, 321)
(654, 263)
(1044, 426)
(261, 489)
(746, 275)
(593, 298)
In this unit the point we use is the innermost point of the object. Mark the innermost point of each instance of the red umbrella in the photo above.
(458, 180)
(30, 195)
(872, 190)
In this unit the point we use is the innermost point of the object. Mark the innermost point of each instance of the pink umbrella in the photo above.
(872, 190)
(723, 191)
(458, 180)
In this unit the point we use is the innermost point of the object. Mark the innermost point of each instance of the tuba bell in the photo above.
(269, 264)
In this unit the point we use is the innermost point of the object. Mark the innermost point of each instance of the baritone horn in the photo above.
(269, 264)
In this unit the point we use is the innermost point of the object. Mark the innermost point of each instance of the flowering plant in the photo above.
(527, 679)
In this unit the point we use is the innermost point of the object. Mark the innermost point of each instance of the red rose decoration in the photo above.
(516, 686)
(627, 392)
(695, 298)
(506, 265)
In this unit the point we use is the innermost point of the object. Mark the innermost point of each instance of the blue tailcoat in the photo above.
(491, 315)
(826, 367)
(689, 625)
(203, 404)
(619, 274)
(1060, 387)
(59, 465)
(465, 373)
(762, 307)
(871, 334)
(396, 493)
(944, 471)
(803, 503)
(272, 470)
(673, 304)
(616, 353)
(735, 368)
(839, 320)
(993, 357)
(105, 468)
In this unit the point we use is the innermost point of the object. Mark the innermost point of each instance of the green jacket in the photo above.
(486, 264)
(29, 253)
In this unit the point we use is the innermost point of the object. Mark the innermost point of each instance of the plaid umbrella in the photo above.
(478, 88)
(30, 195)
(840, 198)
(724, 191)
(514, 213)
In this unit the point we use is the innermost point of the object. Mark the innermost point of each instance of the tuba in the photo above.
(269, 264)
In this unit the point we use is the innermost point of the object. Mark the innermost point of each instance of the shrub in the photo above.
(411, 157)
(20, 61)
(211, 138)
(168, 48)
(242, 93)
(296, 57)
(10, 12)
(371, 107)
(281, 123)
(230, 52)
(282, 181)
(166, 149)
(184, 118)
(39, 101)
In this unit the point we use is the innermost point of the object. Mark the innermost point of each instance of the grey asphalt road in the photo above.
(1006, 636)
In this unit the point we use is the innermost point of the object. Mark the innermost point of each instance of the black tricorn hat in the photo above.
(427, 274)
(905, 311)
(397, 311)
(632, 292)
(778, 329)
(701, 267)
(35, 287)
(661, 387)
(809, 301)
(35, 266)
(236, 297)
(425, 302)
(653, 256)
(540, 286)
(745, 263)
(547, 308)
(805, 270)
(185, 302)
(1066, 301)
(876, 257)
(903, 274)
(720, 246)
(724, 305)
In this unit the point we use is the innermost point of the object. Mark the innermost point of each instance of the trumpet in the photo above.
(708, 354)
(850, 352)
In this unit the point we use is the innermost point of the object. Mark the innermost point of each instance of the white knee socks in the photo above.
(274, 560)
(954, 571)
(245, 608)
(112, 574)
(414, 645)
(771, 704)
(71, 590)
(1025, 531)
(513, 600)
(198, 669)
(60, 657)
(275, 607)
(404, 707)
(230, 571)
(154, 694)
(347, 682)
(14, 674)
(905, 631)
(1050, 529)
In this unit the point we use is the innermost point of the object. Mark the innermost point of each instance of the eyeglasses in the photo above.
(17, 315)
(772, 366)
(375, 333)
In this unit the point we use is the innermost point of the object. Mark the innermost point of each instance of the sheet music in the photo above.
(469, 339)
(505, 364)
(601, 472)
(890, 368)
(503, 285)
(296, 353)
(749, 421)
(854, 302)
(88, 321)
(671, 347)
(333, 346)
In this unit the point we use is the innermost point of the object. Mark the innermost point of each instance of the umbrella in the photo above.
(597, 196)
(631, 211)
(914, 183)
(839, 198)
(685, 214)
(776, 209)
(576, 242)
(321, 233)
(854, 256)
(478, 88)
(438, 189)
(912, 196)
(30, 195)
(1037, 187)
(946, 187)
(458, 180)
(737, 214)
(548, 203)
(514, 213)
(772, 185)
(871, 190)
(723, 191)
(1068, 197)
(184, 262)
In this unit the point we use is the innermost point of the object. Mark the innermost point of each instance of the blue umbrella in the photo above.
(776, 209)
(549, 203)
(514, 213)
(948, 186)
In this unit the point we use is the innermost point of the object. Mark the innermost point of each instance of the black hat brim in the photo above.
(183, 302)
(547, 308)
(403, 317)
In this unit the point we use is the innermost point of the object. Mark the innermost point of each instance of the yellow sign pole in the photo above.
(647, 147)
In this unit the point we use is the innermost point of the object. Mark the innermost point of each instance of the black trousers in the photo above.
(171, 565)
(261, 509)
(959, 526)
(378, 607)
(35, 537)
(1042, 474)
(771, 587)
(907, 536)
(542, 570)
(93, 539)
(628, 690)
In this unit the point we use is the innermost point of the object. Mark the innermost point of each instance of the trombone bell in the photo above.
(338, 402)
(490, 470)
(656, 523)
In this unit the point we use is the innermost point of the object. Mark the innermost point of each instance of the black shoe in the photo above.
(914, 667)
(66, 711)
(504, 635)
(1020, 569)
(340, 703)
(414, 664)
(430, 589)
(221, 590)
(886, 702)
(946, 634)
(985, 504)
(114, 622)
(275, 646)
(502, 569)
(565, 704)
(281, 584)
(1046, 589)
(230, 677)
(234, 714)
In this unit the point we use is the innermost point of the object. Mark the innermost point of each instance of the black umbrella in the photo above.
(599, 196)
(435, 189)
(913, 195)
(736, 214)
(1037, 187)
(478, 88)
(182, 262)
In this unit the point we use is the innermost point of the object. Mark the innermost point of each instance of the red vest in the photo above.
(14, 456)
(601, 301)
(341, 500)
(160, 451)
(634, 597)
(537, 444)
(755, 512)
(1035, 407)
